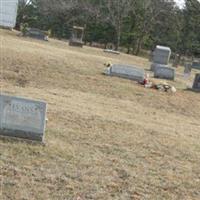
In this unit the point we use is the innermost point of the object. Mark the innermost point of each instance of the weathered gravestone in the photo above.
(77, 36)
(126, 71)
(162, 55)
(36, 33)
(23, 118)
(164, 73)
(196, 85)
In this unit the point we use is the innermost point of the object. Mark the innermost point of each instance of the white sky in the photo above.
(180, 2)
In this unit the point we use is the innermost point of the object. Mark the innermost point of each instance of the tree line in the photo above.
(129, 24)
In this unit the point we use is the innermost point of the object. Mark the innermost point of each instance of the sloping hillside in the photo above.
(107, 138)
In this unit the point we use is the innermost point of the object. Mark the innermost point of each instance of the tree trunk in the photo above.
(139, 45)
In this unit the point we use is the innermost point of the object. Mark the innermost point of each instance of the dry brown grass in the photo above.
(107, 138)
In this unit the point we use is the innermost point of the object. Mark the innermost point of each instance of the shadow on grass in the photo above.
(15, 140)
(192, 90)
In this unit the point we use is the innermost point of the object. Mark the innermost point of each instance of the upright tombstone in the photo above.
(77, 36)
(164, 73)
(22, 118)
(196, 85)
(162, 55)
(8, 13)
(126, 71)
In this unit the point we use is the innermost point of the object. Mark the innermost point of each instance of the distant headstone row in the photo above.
(23, 118)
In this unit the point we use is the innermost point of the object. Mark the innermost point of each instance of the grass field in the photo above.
(107, 138)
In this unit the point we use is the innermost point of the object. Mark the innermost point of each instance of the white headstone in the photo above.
(164, 73)
(126, 71)
(23, 118)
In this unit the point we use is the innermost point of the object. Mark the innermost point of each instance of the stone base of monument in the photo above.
(126, 71)
(76, 43)
(22, 118)
(164, 73)
(22, 135)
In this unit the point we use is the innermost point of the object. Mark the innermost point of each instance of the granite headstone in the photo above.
(126, 71)
(23, 118)
(164, 73)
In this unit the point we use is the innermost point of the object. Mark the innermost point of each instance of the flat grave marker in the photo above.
(126, 71)
(22, 118)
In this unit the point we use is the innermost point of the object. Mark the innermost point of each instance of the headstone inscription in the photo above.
(164, 73)
(154, 65)
(126, 71)
(196, 85)
(23, 118)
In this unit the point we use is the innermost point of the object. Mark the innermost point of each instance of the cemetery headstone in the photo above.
(196, 85)
(164, 73)
(126, 71)
(22, 118)
(36, 33)
(77, 36)
(161, 55)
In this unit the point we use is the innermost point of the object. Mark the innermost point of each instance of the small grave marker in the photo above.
(23, 118)
(164, 73)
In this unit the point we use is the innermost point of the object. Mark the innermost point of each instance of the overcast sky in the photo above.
(180, 2)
